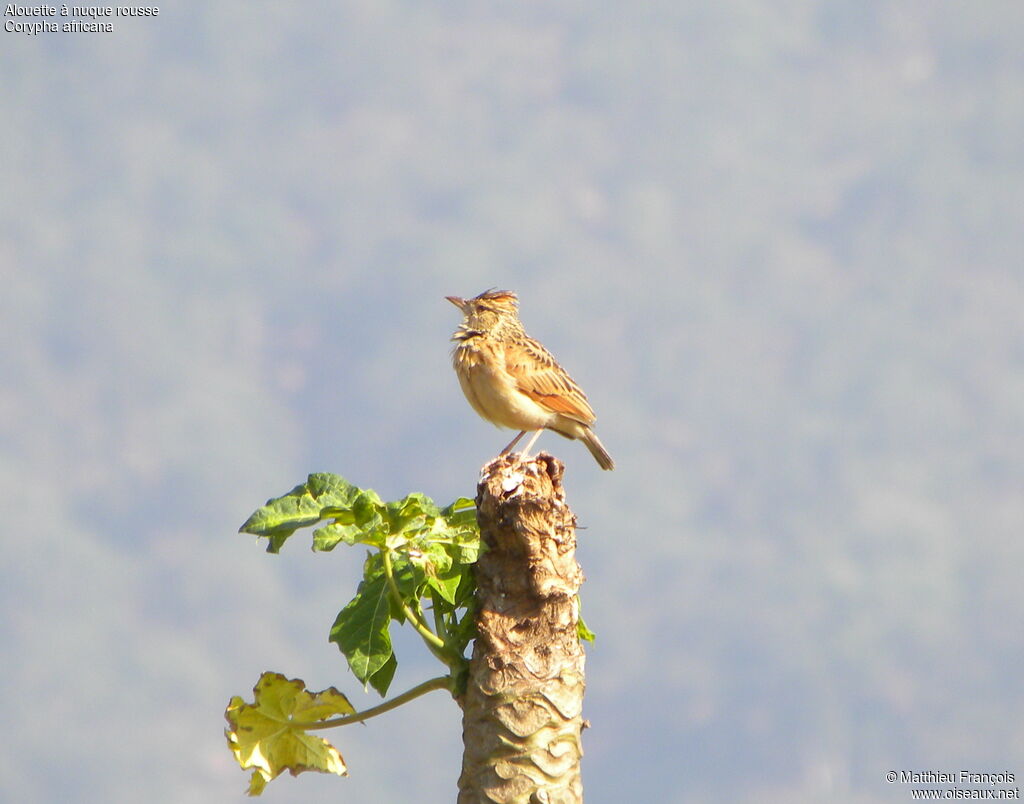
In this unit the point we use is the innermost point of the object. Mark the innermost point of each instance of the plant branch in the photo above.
(439, 683)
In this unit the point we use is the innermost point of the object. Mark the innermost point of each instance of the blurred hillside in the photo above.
(781, 247)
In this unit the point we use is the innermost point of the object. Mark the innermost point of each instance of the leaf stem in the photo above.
(439, 683)
(439, 625)
(432, 639)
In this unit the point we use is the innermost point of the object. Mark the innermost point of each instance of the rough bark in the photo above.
(522, 711)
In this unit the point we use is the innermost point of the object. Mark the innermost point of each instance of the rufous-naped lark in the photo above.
(511, 380)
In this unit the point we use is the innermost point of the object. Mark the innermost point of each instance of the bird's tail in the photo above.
(597, 449)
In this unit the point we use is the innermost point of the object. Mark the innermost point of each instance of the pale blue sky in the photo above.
(779, 247)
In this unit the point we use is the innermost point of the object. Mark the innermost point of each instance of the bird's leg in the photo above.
(536, 435)
(512, 443)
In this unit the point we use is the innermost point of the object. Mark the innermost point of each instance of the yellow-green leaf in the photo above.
(269, 734)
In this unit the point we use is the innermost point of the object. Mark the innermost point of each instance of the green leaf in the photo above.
(464, 630)
(465, 548)
(360, 516)
(328, 537)
(411, 513)
(275, 541)
(467, 588)
(332, 491)
(421, 503)
(460, 506)
(369, 509)
(584, 633)
(361, 629)
(460, 515)
(446, 583)
(432, 557)
(458, 529)
(381, 680)
(269, 734)
(320, 497)
(445, 587)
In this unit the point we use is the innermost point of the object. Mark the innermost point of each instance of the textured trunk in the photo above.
(522, 709)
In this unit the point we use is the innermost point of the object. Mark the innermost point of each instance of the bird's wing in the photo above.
(538, 375)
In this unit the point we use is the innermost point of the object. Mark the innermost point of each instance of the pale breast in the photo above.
(492, 392)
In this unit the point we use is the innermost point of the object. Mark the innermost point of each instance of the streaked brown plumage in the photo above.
(511, 380)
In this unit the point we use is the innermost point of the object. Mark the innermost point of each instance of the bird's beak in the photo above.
(457, 301)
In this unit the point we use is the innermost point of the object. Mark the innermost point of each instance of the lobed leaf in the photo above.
(322, 496)
(269, 734)
(361, 516)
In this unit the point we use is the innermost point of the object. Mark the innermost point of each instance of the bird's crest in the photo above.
(499, 298)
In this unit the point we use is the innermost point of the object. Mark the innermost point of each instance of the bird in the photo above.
(511, 380)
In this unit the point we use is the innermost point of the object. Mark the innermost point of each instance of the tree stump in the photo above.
(522, 711)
